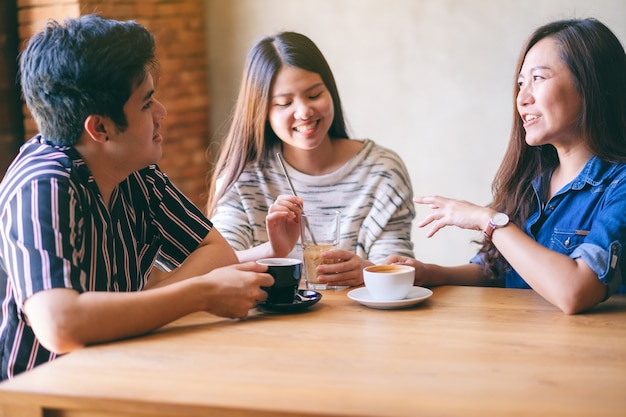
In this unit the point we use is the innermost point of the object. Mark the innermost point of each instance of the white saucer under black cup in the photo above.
(303, 300)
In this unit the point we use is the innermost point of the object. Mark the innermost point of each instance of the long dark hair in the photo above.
(251, 138)
(597, 61)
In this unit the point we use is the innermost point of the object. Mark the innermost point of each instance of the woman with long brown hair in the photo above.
(557, 223)
(288, 103)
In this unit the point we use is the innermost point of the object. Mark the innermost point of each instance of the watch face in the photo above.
(500, 219)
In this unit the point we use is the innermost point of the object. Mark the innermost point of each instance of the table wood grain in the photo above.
(466, 351)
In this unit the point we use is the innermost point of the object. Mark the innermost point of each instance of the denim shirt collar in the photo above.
(594, 173)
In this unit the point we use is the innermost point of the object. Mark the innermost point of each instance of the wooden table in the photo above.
(464, 352)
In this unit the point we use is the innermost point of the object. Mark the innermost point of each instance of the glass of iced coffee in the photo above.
(319, 232)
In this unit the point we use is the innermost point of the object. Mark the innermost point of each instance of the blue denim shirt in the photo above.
(586, 219)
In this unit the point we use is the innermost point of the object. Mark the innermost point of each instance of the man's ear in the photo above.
(96, 128)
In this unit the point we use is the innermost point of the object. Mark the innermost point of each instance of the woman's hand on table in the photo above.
(283, 224)
(347, 269)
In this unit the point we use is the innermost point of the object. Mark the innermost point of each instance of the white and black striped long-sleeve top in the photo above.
(372, 191)
(55, 232)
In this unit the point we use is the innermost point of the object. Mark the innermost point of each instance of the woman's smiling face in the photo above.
(548, 101)
(301, 108)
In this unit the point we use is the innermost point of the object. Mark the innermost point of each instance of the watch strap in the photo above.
(488, 232)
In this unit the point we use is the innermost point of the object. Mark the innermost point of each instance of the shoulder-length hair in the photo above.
(250, 137)
(597, 61)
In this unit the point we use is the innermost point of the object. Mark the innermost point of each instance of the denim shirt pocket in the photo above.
(565, 241)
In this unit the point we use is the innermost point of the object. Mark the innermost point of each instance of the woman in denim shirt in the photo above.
(557, 223)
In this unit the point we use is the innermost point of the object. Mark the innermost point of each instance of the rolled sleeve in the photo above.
(604, 262)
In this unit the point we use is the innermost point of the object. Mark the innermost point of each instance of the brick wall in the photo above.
(178, 26)
(11, 129)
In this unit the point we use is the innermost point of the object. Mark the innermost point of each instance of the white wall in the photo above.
(431, 79)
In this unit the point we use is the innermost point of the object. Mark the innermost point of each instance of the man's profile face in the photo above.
(139, 145)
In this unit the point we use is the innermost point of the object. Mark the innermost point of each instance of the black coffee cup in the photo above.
(286, 273)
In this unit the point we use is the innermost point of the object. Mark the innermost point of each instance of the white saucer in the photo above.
(416, 295)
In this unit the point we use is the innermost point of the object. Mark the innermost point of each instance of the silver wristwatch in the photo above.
(497, 220)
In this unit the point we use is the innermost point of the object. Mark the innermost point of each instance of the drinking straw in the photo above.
(293, 191)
